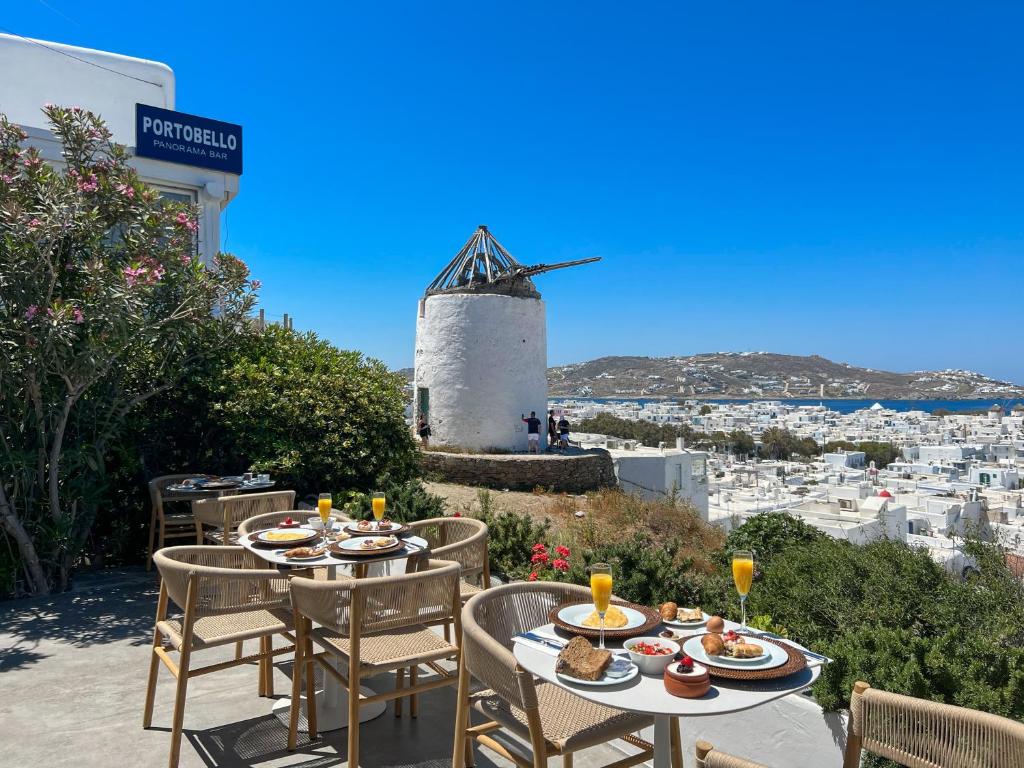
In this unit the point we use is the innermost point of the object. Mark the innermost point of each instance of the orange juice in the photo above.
(743, 574)
(378, 507)
(601, 589)
(323, 506)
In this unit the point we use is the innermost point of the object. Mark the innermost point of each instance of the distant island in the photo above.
(755, 375)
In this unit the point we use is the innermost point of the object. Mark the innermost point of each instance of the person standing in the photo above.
(423, 429)
(532, 431)
(563, 432)
(552, 430)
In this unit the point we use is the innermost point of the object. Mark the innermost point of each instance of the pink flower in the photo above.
(34, 223)
(126, 189)
(532, 576)
(562, 551)
(538, 547)
(31, 312)
(540, 557)
(6, 179)
(80, 318)
(49, 105)
(560, 564)
(186, 259)
(31, 162)
(187, 221)
(49, 311)
(89, 185)
(257, 284)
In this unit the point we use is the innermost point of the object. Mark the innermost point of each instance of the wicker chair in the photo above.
(225, 513)
(553, 720)
(273, 519)
(464, 540)
(709, 757)
(227, 597)
(374, 625)
(926, 734)
(163, 526)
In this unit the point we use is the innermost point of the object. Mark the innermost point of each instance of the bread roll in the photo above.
(713, 645)
(668, 611)
(716, 624)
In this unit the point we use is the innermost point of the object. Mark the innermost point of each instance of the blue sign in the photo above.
(187, 139)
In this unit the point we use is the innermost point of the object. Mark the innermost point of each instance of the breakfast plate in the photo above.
(366, 545)
(773, 656)
(369, 528)
(604, 681)
(292, 537)
(687, 624)
(316, 555)
(575, 615)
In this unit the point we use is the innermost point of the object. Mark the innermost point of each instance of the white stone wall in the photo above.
(484, 359)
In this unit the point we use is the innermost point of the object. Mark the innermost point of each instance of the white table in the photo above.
(332, 701)
(647, 695)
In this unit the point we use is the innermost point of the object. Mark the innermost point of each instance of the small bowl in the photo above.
(651, 665)
(315, 523)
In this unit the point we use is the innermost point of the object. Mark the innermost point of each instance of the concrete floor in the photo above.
(72, 685)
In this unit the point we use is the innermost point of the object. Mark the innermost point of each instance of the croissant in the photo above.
(746, 650)
(713, 645)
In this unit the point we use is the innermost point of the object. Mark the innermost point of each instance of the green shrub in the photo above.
(407, 502)
(769, 533)
(510, 537)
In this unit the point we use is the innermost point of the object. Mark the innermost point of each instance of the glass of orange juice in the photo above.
(601, 589)
(323, 506)
(377, 504)
(742, 575)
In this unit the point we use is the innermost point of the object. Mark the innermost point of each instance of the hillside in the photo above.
(764, 374)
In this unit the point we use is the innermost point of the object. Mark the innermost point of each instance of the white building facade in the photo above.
(34, 73)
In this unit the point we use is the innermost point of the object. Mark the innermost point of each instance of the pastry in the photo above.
(716, 624)
(302, 552)
(741, 650)
(613, 619)
(687, 679)
(363, 525)
(668, 611)
(581, 660)
(713, 645)
(689, 614)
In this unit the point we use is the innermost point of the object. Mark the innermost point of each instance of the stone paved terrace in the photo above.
(72, 685)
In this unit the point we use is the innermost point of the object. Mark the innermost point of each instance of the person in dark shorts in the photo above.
(563, 432)
(423, 429)
(552, 430)
(532, 431)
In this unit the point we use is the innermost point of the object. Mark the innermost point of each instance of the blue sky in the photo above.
(839, 179)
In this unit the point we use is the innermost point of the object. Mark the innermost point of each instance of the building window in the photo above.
(188, 197)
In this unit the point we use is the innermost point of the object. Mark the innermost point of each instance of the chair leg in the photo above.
(567, 760)
(238, 650)
(154, 670)
(447, 632)
(178, 719)
(414, 702)
(270, 666)
(261, 669)
(293, 711)
(462, 750)
(675, 741)
(399, 682)
(353, 720)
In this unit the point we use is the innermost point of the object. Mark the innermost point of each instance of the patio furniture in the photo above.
(225, 513)
(374, 625)
(646, 695)
(553, 719)
(464, 540)
(926, 734)
(709, 757)
(227, 596)
(164, 525)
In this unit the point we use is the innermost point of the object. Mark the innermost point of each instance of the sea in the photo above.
(842, 406)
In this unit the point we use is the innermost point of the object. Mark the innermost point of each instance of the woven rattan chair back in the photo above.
(428, 595)
(492, 618)
(227, 512)
(927, 734)
(709, 757)
(158, 485)
(462, 539)
(222, 579)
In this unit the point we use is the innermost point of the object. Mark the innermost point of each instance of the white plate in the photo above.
(354, 527)
(774, 655)
(356, 544)
(604, 681)
(307, 535)
(687, 624)
(575, 614)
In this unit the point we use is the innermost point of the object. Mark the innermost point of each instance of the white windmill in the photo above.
(481, 348)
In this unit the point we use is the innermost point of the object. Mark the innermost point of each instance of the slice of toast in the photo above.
(581, 660)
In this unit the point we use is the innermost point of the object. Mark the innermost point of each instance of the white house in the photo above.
(186, 157)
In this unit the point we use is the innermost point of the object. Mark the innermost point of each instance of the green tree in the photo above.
(769, 533)
(741, 443)
(96, 272)
(777, 443)
(705, 410)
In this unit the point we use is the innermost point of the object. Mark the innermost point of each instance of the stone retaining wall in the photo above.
(574, 473)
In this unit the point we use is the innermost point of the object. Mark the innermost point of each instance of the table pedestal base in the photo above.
(331, 716)
(662, 741)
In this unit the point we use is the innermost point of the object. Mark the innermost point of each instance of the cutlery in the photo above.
(804, 651)
(534, 637)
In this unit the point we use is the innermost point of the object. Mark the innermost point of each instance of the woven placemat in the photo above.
(797, 662)
(652, 616)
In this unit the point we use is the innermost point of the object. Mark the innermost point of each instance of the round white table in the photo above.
(647, 695)
(332, 701)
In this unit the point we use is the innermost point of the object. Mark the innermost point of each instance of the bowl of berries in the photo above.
(651, 654)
